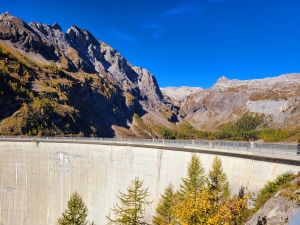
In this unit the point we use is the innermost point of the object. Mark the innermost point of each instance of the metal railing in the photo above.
(271, 148)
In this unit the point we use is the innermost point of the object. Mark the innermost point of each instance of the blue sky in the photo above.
(185, 43)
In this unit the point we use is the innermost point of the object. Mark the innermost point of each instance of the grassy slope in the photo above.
(38, 99)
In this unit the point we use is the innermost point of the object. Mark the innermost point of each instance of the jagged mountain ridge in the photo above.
(278, 98)
(78, 52)
(78, 49)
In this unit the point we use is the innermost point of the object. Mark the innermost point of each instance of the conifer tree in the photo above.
(195, 179)
(191, 188)
(76, 213)
(132, 208)
(194, 208)
(163, 212)
(218, 180)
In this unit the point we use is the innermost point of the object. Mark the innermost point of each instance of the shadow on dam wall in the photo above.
(37, 178)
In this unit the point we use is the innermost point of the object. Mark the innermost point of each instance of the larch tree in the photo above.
(205, 200)
(217, 180)
(193, 209)
(195, 179)
(76, 212)
(163, 213)
(190, 190)
(132, 208)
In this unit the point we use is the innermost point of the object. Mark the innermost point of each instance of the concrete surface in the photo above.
(37, 178)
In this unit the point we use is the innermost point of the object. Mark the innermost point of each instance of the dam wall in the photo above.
(38, 178)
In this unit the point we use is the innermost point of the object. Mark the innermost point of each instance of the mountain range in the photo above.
(55, 83)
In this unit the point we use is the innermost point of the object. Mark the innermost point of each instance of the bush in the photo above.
(271, 188)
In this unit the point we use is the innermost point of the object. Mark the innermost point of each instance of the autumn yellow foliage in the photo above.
(201, 200)
(202, 208)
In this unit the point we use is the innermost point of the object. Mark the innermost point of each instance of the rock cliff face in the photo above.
(278, 98)
(78, 52)
(278, 210)
(179, 96)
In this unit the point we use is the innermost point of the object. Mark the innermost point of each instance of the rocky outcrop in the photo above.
(84, 52)
(24, 36)
(277, 211)
(179, 96)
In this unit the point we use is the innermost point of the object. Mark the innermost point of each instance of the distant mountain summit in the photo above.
(278, 98)
(56, 83)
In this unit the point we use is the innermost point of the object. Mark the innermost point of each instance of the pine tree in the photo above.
(218, 180)
(132, 208)
(195, 178)
(163, 209)
(76, 213)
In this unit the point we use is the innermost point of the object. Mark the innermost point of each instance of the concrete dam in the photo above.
(38, 175)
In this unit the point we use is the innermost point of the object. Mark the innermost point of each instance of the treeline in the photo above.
(251, 126)
(200, 199)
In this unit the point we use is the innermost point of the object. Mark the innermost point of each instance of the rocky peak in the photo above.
(222, 79)
(6, 14)
(37, 26)
(222, 83)
(56, 26)
(52, 34)
(24, 37)
(81, 38)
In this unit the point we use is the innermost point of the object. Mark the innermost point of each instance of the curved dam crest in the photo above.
(37, 178)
